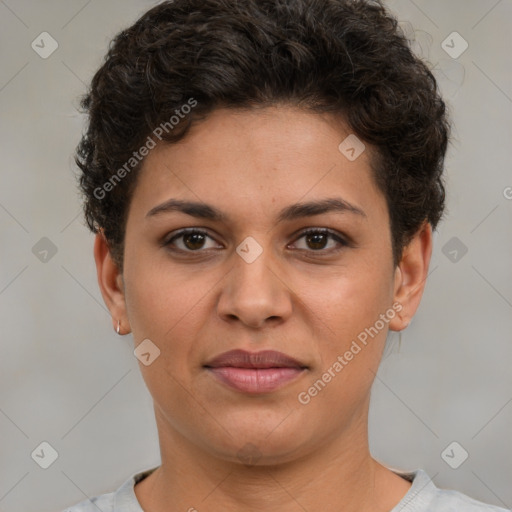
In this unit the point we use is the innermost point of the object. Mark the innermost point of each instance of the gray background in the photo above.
(67, 379)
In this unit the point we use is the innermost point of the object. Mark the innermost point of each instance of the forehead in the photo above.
(250, 160)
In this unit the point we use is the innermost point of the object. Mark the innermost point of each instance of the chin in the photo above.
(261, 443)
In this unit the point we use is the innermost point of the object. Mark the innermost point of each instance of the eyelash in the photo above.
(313, 231)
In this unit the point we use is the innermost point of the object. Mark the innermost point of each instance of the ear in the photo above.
(410, 276)
(111, 284)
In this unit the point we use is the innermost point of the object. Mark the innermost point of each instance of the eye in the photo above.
(318, 238)
(192, 240)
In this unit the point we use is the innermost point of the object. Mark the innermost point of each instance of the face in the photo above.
(252, 278)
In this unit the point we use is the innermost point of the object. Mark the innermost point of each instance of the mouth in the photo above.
(255, 372)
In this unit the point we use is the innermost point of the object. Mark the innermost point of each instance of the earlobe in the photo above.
(110, 281)
(410, 276)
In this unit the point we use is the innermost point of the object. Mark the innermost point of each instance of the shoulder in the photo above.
(453, 501)
(121, 500)
(424, 496)
(104, 502)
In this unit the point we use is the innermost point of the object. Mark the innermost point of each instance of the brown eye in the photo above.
(317, 240)
(192, 240)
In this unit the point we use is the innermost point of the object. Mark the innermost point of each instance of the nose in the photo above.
(255, 293)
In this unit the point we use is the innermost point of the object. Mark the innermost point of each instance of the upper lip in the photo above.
(263, 359)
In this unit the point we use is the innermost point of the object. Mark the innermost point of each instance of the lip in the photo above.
(263, 359)
(255, 372)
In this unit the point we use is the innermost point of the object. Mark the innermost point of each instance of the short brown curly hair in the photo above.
(347, 57)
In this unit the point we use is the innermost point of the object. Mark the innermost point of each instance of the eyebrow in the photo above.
(291, 212)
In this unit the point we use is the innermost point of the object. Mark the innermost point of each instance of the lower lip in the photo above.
(255, 380)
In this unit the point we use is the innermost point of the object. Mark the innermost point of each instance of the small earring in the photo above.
(118, 326)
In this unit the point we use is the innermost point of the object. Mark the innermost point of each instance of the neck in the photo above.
(339, 475)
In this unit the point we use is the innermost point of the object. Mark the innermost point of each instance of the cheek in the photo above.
(165, 308)
(339, 388)
(347, 319)
(349, 301)
(158, 299)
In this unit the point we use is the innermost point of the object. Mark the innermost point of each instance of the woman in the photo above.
(263, 178)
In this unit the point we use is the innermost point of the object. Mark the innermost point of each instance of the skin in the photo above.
(195, 305)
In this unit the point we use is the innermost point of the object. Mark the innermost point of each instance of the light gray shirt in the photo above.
(423, 496)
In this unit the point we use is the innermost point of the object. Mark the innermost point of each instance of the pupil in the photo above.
(315, 241)
(195, 236)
